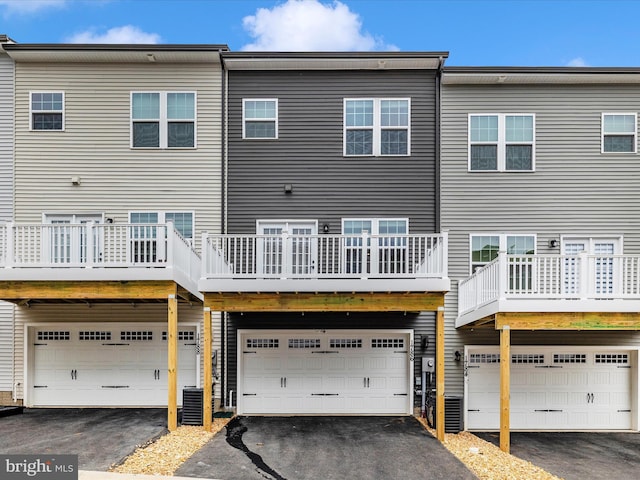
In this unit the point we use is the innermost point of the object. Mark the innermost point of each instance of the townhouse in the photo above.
(331, 266)
(117, 171)
(540, 197)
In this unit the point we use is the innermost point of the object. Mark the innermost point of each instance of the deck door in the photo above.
(602, 269)
(293, 254)
(66, 239)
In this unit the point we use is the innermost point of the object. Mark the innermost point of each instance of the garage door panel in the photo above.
(552, 388)
(329, 373)
(114, 366)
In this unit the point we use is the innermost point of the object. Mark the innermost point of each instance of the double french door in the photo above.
(287, 248)
(68, 239)
(600, 269)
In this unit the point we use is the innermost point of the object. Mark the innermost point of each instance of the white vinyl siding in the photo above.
(377, 127)
(260, 118)
(619, 133)
(501, 142)
(96, 145)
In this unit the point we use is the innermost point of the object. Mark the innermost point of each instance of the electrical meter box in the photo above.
(429, 364)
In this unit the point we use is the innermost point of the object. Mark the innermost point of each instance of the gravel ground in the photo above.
(489, 463)
(164, 456)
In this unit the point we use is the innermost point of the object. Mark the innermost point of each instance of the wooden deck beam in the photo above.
(20, 291)
(568, 320)
(324, 302)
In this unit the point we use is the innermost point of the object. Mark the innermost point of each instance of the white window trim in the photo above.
(503, 242)
(265, 120)
(31, 111)
(501, 142)
(164, 121)
(376, 127)
(162, 215)
(286, 223)
(635, 133)
(375, 222)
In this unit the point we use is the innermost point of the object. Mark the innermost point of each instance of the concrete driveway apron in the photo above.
(297, 448)
(578, 455)
(99, 436)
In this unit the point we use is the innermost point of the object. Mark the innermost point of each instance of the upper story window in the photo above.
(163, 119)
(47, 111)
(260, 118)
(485, 248)
(377, 126)
(501, 142)
(619, 133)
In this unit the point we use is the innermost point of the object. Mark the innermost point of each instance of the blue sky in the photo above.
(475, 32)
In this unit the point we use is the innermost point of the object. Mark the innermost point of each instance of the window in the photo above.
(619, 133)
(260, 118)
(485, 248)
(47, 111)
(501, 142)
(374, 126)
(163, 119)
(182, 221)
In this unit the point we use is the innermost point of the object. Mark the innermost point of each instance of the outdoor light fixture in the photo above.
(458, 356)
(288, 188)
(553, 243)
(75, 180)
(325, 228)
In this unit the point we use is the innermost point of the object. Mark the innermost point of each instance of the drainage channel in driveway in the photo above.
(99, 436)
(577, 455)
(298, 448)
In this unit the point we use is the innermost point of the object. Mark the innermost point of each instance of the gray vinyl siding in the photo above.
(327, 186)
(575, 189)
(95, 145)
(422, 325)
(6, 211)
(308, 154)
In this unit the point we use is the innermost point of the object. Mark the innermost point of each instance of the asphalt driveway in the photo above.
(298, 448)
(577, 455)
(99, 436)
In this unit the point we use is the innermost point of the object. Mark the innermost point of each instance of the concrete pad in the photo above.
(577, 455)
(100, 437)
(298, 448)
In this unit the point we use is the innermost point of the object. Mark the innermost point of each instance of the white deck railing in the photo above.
(324, 256)
(551, 277)
(96, 245)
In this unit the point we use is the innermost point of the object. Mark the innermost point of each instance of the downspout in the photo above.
(438, 99)
(223, 226)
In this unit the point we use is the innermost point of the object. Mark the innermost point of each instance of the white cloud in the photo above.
(309, 25)
(30, 6)
(577, 62)
(124, 34)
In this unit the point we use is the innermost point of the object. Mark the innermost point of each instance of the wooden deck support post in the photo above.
(208, 372)
(505, 388)
(172, 377)
(440, 374)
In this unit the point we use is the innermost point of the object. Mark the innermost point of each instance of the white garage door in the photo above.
(552, 388)
(115, 365)
(327, 372)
